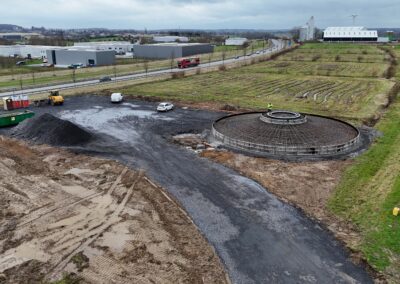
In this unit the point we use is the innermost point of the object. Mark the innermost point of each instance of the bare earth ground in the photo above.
(68, 214)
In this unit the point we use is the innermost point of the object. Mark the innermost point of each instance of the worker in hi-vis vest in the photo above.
(269, 107)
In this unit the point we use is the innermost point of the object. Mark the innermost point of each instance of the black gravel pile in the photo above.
(48, 129)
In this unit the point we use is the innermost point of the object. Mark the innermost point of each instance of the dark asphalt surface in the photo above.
(259, 238)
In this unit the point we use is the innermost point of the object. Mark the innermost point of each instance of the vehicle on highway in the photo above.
(163, 107)
(117, 97)
(188, 62)
(105, 79)
(19, 63)
(75, 66)
(237, 57)
(55, 98)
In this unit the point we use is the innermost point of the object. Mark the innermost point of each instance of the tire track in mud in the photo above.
(95, 233)
(61, 205)
(14, 256)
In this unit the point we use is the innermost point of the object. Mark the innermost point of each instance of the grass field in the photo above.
(337, 69)
(368, 192)
(350, 91)
(396, 51)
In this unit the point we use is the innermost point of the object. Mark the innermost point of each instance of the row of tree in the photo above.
(51, 41)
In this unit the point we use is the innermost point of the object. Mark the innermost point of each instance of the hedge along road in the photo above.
(259, 238)
(277, 45)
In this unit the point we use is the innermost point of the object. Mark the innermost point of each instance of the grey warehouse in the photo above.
(67, 57)
(171, 50)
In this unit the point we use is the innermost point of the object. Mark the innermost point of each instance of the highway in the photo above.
(277, 45)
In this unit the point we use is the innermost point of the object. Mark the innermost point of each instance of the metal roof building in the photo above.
(171, 50)
(235, 41)
(118, 46)
(350, 34)
(170, 39)
(33, 51)
(67, 57)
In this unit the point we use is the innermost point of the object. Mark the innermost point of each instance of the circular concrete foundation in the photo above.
(283, 117)
(286, 134)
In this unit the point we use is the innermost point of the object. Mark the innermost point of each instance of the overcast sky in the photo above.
(202, 14)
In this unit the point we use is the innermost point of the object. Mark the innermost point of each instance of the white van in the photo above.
(116, 97)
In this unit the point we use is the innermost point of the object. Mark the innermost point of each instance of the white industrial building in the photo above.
(307, 32)
(120, 47)
(170, 39)
(350, 34)
(32, 51)
(236, 41)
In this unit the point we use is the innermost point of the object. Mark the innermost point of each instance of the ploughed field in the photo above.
(341, 80)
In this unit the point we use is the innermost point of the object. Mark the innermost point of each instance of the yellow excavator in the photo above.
(55, 98)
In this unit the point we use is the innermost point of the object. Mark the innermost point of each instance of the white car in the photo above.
(165, 107)
(117, 97)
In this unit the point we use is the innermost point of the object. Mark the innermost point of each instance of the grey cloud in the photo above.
(213, 14)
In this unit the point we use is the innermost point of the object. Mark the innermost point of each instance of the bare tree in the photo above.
(73, 75)
(295, 33)
(134, 58)
(244, 47)
(115, 71)
(223, 55)
(146, 66)
(12, 65)
(172, 60)
(33, 76)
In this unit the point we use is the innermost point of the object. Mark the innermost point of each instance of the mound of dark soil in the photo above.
(228, 107)
(48, 129)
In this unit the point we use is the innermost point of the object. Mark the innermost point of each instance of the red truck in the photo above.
(188, 62)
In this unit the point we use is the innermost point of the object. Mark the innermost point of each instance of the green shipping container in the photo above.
(13, 118)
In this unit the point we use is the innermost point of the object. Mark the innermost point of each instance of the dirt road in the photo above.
(259, 238)
(95, 220)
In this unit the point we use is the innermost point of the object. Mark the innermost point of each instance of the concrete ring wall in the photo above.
(300, 120)
(288, 151)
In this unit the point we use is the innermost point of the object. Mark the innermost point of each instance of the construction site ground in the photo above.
(93, 219)
(258, 237)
